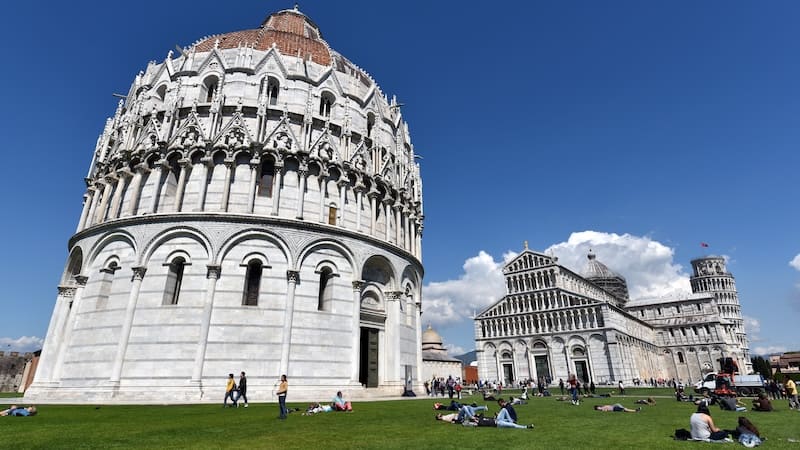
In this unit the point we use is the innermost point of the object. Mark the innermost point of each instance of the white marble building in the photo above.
(553, 322)
(253, 205)
(436, 363)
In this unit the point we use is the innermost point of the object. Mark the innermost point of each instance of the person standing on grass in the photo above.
(621, 388)
(243, 388)
(573, 388)
(561, 385)
(230, 388)
(283, 388)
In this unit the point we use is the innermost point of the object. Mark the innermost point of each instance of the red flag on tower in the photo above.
(703, 244)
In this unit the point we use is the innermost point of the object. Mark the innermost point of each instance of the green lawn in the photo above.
(390, 424)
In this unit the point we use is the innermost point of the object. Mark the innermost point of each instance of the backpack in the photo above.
(682, 434)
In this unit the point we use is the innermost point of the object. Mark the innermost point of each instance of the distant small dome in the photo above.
(431, 339)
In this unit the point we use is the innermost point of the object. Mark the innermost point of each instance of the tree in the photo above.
(761, 366)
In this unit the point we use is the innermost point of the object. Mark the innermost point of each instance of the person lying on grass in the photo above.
(316, 408)
(15, 410)
(616, 407)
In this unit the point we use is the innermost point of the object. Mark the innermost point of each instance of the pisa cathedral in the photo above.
(553, 322)
(253, 205)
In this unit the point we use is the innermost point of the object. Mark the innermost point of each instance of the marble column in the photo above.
(123, 179)
(292, 277)
(72, 314)
(388, 217)
(163, 168)
(398, 224)
(87, 203)
(302, 174)
(373, 196)
(251, 194)
(127, 324)
(98, 192)
(110, 181)
(355, 357)
(276, 189)
(359, 190)
(136, 185)
(226, 187)
(205, 162)
(212, 275)
(53, 339)
(185, 165)
(323, 190)
(342, 183)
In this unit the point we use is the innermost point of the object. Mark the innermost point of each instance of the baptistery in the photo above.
(253, 205)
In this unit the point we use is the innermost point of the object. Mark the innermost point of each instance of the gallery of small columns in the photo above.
(591, 356)
(575, 318)
(228, 182)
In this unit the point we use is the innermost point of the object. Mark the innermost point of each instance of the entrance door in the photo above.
(582, 371)
(508, 374)
(542, 367)
(368, 367)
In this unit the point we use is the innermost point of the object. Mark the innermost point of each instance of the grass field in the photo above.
(388, 424)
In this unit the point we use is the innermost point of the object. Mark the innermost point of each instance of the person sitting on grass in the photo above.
(731, 404)
(747, 433)
(762, 403)
(616, 407)
(340, 405)
(507, 416)
(702, 426)
(15, 410)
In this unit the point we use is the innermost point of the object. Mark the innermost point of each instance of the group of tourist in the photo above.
(235, 392)
(337, 404)
(438, 386)
(468, 416)
(703, 428)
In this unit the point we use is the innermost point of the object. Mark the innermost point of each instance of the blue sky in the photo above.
(639, 129)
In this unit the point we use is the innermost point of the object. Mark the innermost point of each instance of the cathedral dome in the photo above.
(291, 31)
(598, 273)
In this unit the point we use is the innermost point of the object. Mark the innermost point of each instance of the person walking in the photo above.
(572, 380)
(243, 388)
(230, 388)
(791, 392)
(283, 388)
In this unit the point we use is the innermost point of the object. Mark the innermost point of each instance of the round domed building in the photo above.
(253, 205)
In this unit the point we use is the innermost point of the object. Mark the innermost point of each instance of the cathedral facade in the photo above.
(253, 205)
(553, 322)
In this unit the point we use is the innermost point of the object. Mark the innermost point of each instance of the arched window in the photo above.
(174, 280)
(210, 86)
(325, 295)
(162, 92)
(252, 283)
(272, 92)
(370, 124)
(332, 212)
(265, 180)
(326, 101)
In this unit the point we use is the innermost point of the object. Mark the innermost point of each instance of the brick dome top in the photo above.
(292, 32)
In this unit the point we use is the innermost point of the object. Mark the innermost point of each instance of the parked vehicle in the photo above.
(727, 384)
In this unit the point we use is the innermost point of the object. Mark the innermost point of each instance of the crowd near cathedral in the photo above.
(255, 204)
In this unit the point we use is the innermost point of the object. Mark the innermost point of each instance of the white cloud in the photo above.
(21, 344)
(768, 349)
(795, 262)
(455, 350)
(647, 265)
(752, 327)
(452, 301)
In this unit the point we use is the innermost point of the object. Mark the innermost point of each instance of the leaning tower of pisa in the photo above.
(710, 276)
(254, 204)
